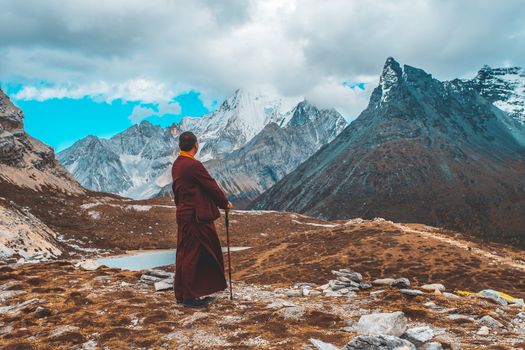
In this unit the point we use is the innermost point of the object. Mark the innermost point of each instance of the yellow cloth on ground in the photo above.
(484, 293)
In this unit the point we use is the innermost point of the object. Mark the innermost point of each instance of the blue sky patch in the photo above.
(61, 122)
(354, 86)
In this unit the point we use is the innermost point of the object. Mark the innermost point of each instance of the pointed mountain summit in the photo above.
(237, 120)
(422, 151)
(275, 151)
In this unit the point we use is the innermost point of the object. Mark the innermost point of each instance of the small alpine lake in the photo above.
(146, 259)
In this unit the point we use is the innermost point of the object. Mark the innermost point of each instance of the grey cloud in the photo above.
(293, 48)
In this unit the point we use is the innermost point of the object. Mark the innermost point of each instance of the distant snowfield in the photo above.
(314, 224)
(134, 207)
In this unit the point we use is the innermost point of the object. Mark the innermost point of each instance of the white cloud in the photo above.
(148, 51)
(142, 90)
(160, 109)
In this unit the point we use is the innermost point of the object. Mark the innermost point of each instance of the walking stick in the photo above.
(228, 245)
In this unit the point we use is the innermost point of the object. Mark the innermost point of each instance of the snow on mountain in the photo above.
(238, 119)
(275, 151)
(136, 163)
(504, 87)
(128, 164)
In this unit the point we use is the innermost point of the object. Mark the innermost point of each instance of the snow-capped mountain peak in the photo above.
(504, 87)
(136, 162)
(237, 120)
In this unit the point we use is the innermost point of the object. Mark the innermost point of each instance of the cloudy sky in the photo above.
(81, 67)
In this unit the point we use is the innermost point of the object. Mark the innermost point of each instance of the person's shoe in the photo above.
(194, 303)
(208, 299)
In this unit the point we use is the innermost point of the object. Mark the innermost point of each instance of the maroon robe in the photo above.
(199, 265)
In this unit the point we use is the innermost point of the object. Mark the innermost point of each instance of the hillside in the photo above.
(60, 306)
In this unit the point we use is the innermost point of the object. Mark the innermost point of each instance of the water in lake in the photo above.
(146, 260)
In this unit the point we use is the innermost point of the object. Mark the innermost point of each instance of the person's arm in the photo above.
(210, 186)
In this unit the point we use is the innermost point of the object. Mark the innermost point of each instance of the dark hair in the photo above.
(187, 141)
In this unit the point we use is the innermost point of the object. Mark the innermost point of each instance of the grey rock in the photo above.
(490, 322)
(412, 292)
(401, 283)
(6, 330)
(8, 294)
(419, 335)
(483, 330)
(102, 279)
(494, 296)
(89, 345)
(376, 292)
(432, 346)
(42, 312)
(160, 273)
(460, 318)
(451, 295)
(331, 293)
(17, 308)
(432, 287)
(383, 281)
(394, 323)
(88, 265)
(355, 276)
(292, 313)
(336, 284)
(7, 285)
(293, 293)
(150, 279)
(61, 330)
(321, 345)
(163, 285)
(364, 285)
(379, 342)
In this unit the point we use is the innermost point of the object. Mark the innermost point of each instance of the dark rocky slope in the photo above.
(422, 151)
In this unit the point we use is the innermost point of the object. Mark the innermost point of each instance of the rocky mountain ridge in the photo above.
(26, 161)
(504, 87)
(422, 151)
(136, 163)
(28, 165)
(132, 163)
(274, 152)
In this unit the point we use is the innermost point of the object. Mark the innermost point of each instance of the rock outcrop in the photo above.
(25, 161)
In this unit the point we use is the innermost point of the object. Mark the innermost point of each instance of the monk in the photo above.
(199, 265)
